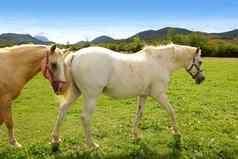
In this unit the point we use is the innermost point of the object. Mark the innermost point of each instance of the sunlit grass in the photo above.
(207, 117)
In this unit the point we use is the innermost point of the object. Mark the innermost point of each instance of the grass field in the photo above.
(207, 117)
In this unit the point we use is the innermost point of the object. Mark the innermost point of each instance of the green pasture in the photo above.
(207, 116)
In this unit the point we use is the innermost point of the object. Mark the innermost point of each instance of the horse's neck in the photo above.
(178, 62)
(28, 63)
(171, 58)
(183, 57)
(165, 57)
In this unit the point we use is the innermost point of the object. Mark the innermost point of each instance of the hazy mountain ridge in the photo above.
(102, 39)
(13, 38)
(41, 38)
(162, 33)
(233, 34)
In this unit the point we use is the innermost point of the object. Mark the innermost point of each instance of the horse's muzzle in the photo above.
(59, 87)
(199, 78)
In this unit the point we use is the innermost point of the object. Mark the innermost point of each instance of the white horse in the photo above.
(97, 70)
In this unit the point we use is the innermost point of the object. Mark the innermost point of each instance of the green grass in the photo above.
(207, 116)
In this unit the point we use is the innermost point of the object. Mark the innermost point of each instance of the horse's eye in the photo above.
(200, 62)
(54, 66)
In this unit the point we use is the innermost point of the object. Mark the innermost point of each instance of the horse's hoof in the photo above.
(93, 146)
(56, 141)
(177, 137)
(178, 134)
(175, 131)
(177, 140)
(136, 136)
(54, 147)
(136, 139)
(16, 145)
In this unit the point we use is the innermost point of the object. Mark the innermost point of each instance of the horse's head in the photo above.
(53, 69)
(194, 67)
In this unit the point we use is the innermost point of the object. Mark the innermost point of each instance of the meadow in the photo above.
(207, 116)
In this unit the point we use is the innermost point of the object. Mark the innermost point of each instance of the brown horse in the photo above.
(18, 65)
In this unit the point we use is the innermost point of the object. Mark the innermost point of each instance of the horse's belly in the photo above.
(120, 94)
(122, 90)
(126, 81)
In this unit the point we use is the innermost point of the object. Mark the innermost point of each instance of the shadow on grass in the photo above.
(143, 152)
(138, 150)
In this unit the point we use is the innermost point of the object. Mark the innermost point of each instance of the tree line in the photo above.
(211, 47)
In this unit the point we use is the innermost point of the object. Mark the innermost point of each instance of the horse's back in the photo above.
(13, 69)
(91, 68)
(6, 66)
(93, 56)
(119, 75)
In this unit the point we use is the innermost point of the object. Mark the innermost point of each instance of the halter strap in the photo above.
(191, 67)
(49, 70)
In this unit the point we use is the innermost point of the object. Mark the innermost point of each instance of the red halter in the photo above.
(49, 74)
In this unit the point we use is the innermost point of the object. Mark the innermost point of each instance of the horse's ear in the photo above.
(198, 49)
(52, 48)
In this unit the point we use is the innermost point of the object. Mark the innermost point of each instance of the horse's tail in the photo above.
(70, 87)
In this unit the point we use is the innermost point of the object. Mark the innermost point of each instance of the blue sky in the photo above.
(75, 20)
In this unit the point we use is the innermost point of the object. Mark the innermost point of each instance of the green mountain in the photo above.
(102, 39)
(159, 34)
(12, 38)
(162, 33)
(228, 35)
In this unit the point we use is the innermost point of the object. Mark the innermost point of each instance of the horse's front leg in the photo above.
(1, 119)
(140, 109)
(89, 106)
(63, 109)
(56, 130)
(6, 117)
(163, 100)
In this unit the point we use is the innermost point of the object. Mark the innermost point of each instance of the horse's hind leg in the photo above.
(6, 114)
(89, 106)
(138, 116)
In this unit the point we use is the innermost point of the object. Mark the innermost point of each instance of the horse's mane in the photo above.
(160, 47)
(149, 49)
(158, 50)
(22, 46)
